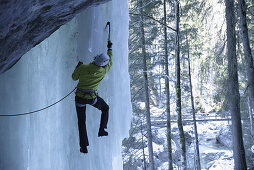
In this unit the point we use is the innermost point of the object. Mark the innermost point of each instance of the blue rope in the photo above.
(27, 113)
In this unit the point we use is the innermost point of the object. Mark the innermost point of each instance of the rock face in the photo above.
(25, 23)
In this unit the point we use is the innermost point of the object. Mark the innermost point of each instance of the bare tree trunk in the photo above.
(160, 99)
(144, 157)
(147, 102)
(247, 52)
(250, 116)
(170, 164)
(234, 96)
(178, 88)
(197, 162)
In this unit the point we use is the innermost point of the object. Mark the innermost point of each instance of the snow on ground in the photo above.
(157, 112)
(157, 148)
(214, 155)
(163, 166)
(222, 164)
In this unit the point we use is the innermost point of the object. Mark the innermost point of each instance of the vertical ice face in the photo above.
(49, 139)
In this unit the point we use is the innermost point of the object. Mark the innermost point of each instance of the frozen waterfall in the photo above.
(48, 140)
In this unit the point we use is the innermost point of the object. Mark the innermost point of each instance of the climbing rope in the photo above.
(27, 113)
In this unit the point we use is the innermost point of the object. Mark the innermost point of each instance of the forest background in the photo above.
(176, 54)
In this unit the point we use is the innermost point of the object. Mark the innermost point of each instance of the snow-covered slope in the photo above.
(48, 140)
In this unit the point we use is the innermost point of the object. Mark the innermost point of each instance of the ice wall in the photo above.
(48, 140)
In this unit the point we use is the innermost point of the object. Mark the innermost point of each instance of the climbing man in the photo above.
(90, 76)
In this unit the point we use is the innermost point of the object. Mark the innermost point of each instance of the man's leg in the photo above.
(81, 114)
(103, 106)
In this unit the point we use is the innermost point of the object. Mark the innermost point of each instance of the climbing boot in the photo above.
(84, 150)
(102, 132)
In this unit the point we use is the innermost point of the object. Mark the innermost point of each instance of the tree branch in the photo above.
(154, 20)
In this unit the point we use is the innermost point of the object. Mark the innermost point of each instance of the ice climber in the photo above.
(90, 76)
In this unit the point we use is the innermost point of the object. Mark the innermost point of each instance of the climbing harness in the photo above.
(27, 113)
(93, 94)
(84, 93)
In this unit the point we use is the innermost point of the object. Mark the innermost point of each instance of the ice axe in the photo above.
(108, 24)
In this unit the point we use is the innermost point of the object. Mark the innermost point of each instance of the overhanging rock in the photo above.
(24, 24)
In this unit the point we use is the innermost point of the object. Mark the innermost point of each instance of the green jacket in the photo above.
(90, 76)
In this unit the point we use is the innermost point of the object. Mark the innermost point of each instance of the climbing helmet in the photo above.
(101, 59)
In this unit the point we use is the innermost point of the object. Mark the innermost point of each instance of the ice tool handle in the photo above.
(108, 24)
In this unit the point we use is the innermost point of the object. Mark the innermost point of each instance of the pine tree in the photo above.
(234, 96)
(147, 103)
(167, 90)
(197, 163)
(178, 88)
(247, 53)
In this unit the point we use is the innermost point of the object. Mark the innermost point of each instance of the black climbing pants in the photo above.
(81, 114)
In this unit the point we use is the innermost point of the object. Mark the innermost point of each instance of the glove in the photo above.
(79, 63)
(109, 44)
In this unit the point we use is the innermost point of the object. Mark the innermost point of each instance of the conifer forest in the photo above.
(192, 85)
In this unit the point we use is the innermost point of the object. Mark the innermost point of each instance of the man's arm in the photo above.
(75, 74)
(110, 54)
